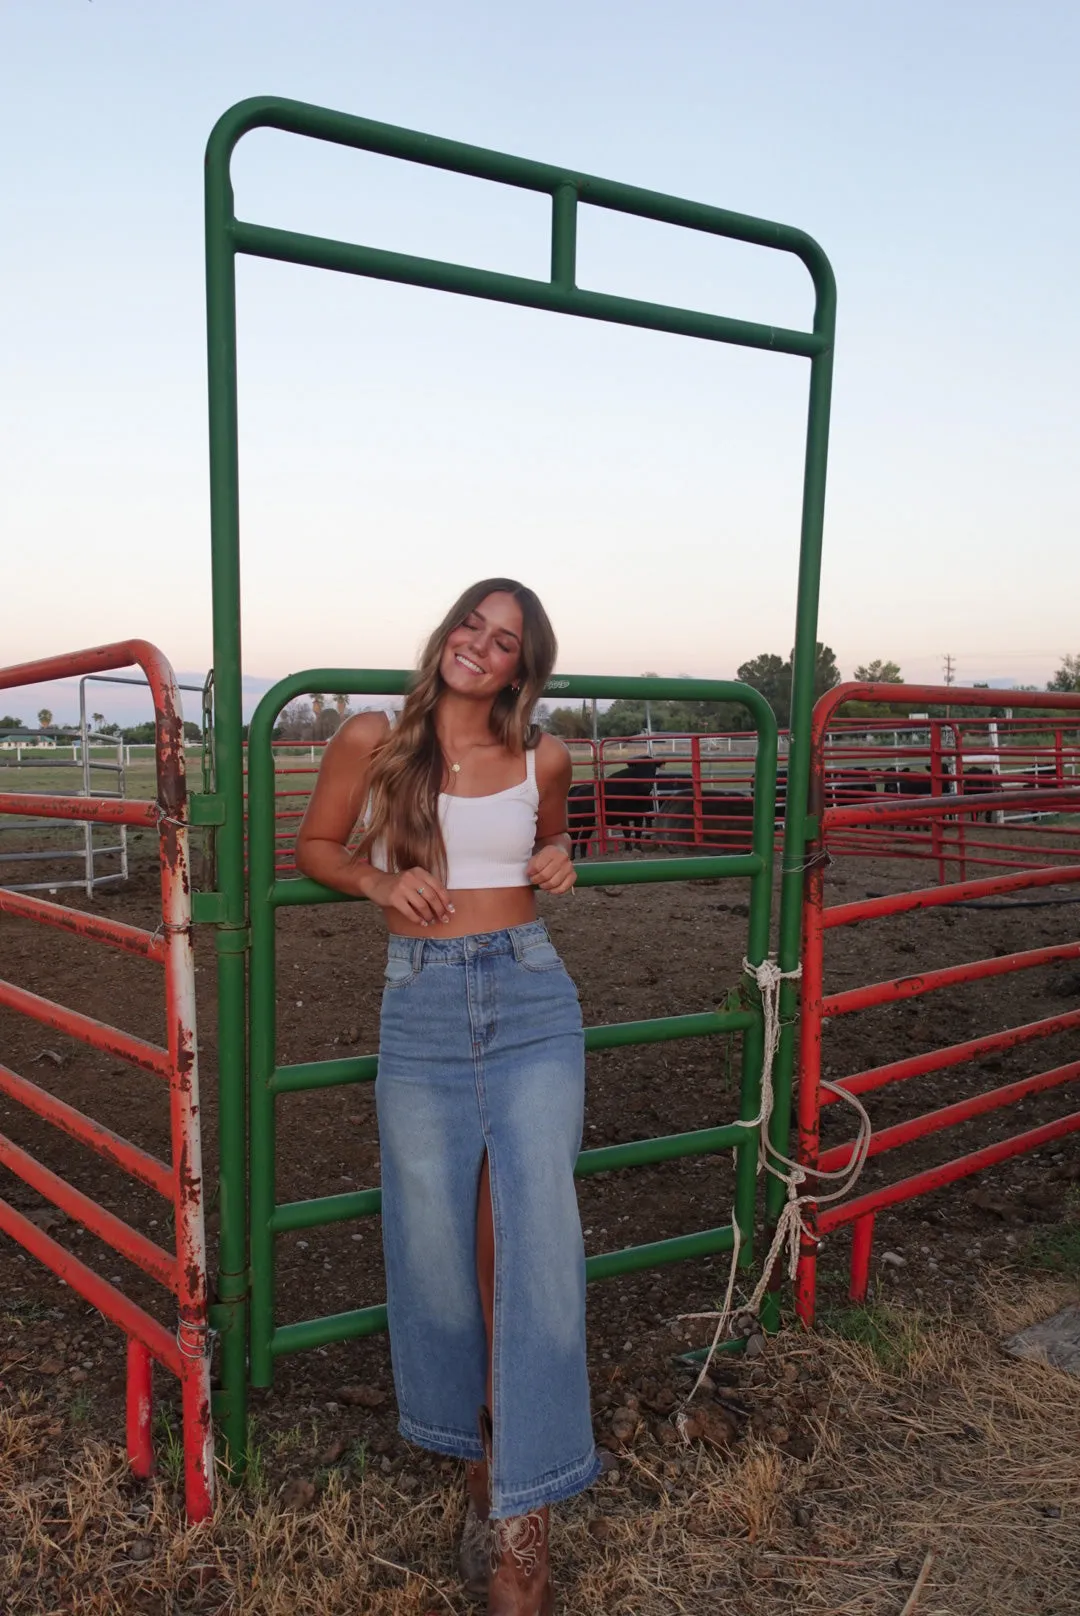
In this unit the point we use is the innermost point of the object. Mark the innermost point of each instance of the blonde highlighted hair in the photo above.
(407, 769)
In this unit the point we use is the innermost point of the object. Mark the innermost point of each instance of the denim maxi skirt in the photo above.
(481, 1049)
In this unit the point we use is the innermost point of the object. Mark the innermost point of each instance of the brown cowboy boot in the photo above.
(520, 1582)
(474, 1549)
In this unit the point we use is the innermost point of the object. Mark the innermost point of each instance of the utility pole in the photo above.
(950, 675)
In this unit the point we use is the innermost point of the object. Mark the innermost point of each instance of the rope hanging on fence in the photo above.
(790, 1224)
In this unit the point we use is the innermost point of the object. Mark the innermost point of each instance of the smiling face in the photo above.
(482, 655)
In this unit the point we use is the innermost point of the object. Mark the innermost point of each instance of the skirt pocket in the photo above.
(540, 955)
(399, 972)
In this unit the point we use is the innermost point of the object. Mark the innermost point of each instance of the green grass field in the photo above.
(63, 777)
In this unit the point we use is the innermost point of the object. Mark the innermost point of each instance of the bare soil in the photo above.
(635, 953)
(934, 1476)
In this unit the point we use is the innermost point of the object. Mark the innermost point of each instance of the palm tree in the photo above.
(97, 719)
(317, 704)
(44, 719)
(342, 705)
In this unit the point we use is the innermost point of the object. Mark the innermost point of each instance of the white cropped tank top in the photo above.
(489, 840)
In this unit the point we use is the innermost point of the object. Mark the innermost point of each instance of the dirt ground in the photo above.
(634, 952)
(936, 1476)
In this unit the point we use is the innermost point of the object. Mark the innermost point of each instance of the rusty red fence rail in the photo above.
(183, 1349)
(818, 1006)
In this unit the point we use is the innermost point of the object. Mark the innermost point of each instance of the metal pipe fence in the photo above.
(829, 824)
(696, 792)
(183, 1347)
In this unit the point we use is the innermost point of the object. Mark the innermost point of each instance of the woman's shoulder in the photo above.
(553, 761)
(359, 735)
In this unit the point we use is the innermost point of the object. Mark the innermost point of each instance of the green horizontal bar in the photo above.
(364, 1321)
(663, 1029)
(633, 872)
(699, 1354)
(614, 1035)
(659, 1252)
(616, 686)
(459, 157)
(395, 681)
(312, 1333)
(301, 889)
(323, 1074)
(590, 872)
(671, 1147)
(322, 252)
(326, 1209)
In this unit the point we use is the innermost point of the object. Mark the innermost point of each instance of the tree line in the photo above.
(771, 675)
(131, 734)
(316, 718)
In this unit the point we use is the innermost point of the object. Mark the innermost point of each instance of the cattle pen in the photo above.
(693, 792)
(703, 862)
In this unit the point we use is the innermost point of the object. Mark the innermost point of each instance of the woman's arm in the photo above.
(551, 867)
(322, 850)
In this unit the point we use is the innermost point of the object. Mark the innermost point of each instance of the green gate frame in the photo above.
(268, 1079)
(226, 236)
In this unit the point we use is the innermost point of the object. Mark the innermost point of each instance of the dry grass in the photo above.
(944, 1481)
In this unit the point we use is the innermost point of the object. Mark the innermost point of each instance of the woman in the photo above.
(480, 1089)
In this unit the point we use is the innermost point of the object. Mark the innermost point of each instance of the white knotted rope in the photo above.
(790, 1225)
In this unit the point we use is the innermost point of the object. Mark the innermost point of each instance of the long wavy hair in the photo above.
(407, 769)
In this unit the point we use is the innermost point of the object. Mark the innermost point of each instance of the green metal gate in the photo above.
(227, 907)
(269, 1079)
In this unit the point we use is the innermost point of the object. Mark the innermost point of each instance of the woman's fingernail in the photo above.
(423, 923)
(446, 920)
(453, 911)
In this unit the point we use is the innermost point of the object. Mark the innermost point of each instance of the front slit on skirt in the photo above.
(481, 1050)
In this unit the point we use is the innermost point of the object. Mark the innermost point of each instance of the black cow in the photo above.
(849, 785)
(908, 783)
(1037, 777)
(627, 798)
(726, 818)
(977, 780)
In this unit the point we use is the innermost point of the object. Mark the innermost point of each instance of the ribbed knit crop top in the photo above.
(489, 840)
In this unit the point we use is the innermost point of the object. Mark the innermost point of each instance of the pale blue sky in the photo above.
(396, 444)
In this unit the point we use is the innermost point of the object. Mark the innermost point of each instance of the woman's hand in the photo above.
(552, 870)
(415, 894)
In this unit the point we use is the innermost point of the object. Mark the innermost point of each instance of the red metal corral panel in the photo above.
(184, 1272)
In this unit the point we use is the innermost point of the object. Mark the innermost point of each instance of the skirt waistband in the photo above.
(421, 951)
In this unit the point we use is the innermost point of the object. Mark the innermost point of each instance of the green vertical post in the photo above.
(231, 934)
(757, 948)
(804, 665)
(564, 203)
(263, 1040)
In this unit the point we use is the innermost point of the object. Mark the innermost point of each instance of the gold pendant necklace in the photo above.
(455, 768)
